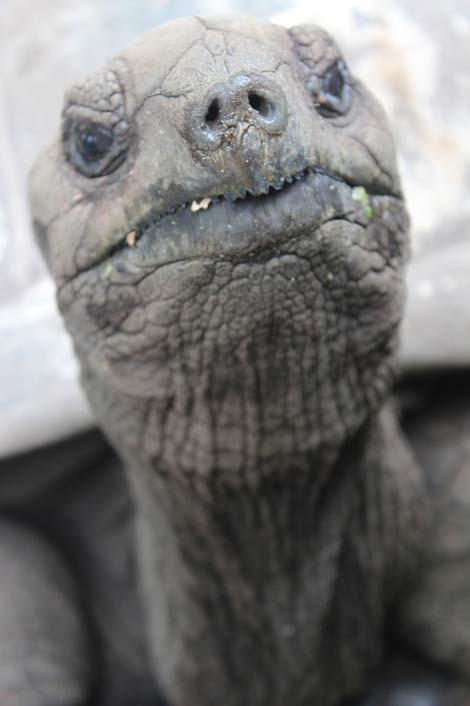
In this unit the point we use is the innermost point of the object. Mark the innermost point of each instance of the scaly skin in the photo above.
(224, 221)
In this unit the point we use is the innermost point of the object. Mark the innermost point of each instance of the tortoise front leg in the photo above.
(44, 658)
(433, 616)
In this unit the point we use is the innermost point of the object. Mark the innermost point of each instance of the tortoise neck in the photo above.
(236, 579)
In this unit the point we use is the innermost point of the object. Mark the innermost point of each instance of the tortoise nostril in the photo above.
(260, 104)
(213, 112)
(241, 101)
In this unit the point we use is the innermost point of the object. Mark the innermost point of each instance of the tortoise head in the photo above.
(223, 218)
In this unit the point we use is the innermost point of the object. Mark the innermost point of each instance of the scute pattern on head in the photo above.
(314, 47)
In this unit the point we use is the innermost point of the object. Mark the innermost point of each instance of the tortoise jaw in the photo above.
(264, 192)
(236, 225)
(265, 189)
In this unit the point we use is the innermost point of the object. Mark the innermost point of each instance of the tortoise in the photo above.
(224, 221)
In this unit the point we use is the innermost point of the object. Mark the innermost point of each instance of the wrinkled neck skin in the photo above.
(246, 552)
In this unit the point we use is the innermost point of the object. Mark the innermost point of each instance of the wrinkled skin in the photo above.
(223, 218)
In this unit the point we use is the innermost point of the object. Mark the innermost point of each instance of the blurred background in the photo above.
(414, 54)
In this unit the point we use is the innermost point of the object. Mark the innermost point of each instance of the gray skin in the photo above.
(239, 358)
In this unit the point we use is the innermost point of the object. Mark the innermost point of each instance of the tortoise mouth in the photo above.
(243, 222)
(263, 193)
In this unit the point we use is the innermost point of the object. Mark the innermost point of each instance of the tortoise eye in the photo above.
(96, 134)
(333, 83)
(334, 95)
(93, 141)
(92, 148)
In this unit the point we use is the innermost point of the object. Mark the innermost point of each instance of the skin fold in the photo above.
(223, 218)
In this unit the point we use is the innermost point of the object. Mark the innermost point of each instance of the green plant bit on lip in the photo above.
(360, 194)
(107, 271)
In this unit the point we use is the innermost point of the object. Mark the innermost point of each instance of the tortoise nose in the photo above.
(247, 101)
